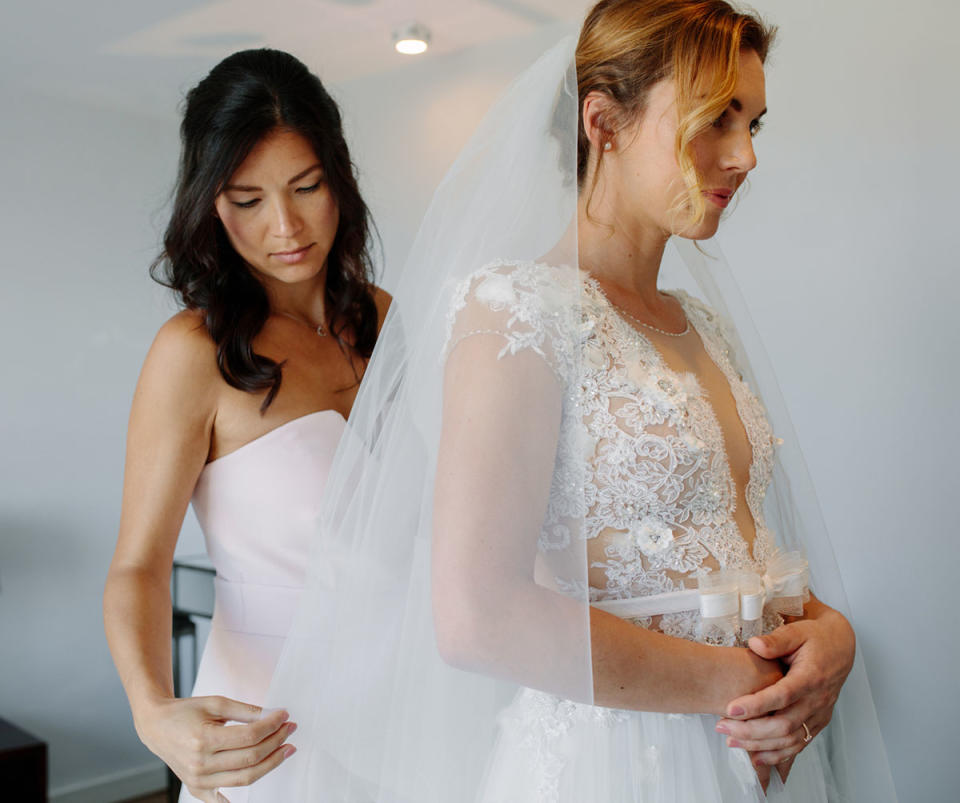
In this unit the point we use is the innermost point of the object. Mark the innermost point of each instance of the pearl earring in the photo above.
(607, 146)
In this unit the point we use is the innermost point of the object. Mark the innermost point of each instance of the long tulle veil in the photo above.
(383, 714)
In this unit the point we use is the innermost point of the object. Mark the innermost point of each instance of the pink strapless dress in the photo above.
(258, 508)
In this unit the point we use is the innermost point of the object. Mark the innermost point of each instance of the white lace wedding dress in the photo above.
(679, 456)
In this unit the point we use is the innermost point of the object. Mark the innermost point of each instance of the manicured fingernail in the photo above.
(733, 743)
(736, 711)
(291, 728)
(722, 728)
(289, 750)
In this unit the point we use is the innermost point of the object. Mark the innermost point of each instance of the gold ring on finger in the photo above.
(806, 731)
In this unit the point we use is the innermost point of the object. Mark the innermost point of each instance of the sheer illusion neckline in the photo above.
(271, 434)
(695, 325)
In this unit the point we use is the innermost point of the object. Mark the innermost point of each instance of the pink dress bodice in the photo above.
(259, 510)
(258, 505)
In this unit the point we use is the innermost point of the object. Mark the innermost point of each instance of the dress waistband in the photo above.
(725, 593)
(652, 605)
(261, 610)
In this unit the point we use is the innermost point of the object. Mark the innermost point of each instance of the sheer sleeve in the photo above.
(499, 494)
(529, 307)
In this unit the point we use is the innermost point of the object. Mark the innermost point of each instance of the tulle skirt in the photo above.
(552, 750)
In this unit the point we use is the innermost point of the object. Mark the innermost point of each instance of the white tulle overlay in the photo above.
(518, 452)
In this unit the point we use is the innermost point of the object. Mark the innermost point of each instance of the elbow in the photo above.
(462, 626)
(454, 648)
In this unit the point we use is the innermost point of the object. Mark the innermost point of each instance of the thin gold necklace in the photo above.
(320, 330)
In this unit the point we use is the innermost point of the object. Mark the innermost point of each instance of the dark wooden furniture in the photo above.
(23, 765)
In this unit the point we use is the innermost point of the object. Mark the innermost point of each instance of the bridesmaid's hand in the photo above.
(193, 739)
(818, 653)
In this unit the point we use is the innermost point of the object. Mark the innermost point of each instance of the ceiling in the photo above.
(141, 54)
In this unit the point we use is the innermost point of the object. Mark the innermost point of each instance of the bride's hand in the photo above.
(818, 653)
(192, 738)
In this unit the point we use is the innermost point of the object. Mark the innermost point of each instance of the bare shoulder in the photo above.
(383, 300)
(182, 362)
(183, 343)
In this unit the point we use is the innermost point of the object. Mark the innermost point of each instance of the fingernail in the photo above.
(289, 750)
(733, 743)
(736, 711)
(291, 728)
(722, 728)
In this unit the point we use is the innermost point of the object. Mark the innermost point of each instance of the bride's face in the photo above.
(643, 173)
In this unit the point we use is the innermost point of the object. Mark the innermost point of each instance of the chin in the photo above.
(291, 274)
(702, 231)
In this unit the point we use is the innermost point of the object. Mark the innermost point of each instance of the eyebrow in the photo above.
(738, 107)
(250, 188)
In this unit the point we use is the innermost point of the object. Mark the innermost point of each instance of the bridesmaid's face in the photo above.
(646, 182)
(278, 212)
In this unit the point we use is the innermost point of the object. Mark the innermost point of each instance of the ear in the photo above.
(598, 115)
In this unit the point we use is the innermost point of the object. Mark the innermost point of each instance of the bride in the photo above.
(563, 562)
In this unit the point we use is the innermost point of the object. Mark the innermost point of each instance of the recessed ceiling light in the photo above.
(411, 39)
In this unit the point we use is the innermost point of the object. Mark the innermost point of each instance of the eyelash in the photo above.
(756, 126)
(253, 202)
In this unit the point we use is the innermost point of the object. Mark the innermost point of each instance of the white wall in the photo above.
(847, 259)
(83, 190)
(841, 248)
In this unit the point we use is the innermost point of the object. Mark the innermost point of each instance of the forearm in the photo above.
(539, 638)
(137, 619)
(643, 670)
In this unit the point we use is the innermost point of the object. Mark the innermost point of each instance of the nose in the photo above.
(740, 155)
(285, 222)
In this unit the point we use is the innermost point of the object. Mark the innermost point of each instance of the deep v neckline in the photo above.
(659, 364)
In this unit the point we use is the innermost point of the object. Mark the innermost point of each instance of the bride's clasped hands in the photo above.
(779, 721)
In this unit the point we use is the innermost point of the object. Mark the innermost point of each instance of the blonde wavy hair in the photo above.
(627, 46)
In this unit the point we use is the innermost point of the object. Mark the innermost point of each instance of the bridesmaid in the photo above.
(240, 404)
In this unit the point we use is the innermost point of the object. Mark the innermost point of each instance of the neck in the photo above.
(305, 301)
(625, 258)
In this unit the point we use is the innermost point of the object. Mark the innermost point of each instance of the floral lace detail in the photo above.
(534, 307)
(539, 722)
(752, 415)
(641, 473)
(528, 304)
(658, 486)
(655, 496)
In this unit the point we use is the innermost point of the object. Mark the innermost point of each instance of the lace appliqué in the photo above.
(534, 307)
(658, 487)
(640, 462)
(540, 721)
(640, 459)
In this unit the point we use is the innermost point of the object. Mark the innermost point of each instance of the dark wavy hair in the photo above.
(245, 97)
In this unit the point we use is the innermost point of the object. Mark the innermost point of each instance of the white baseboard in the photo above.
(113, 787)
